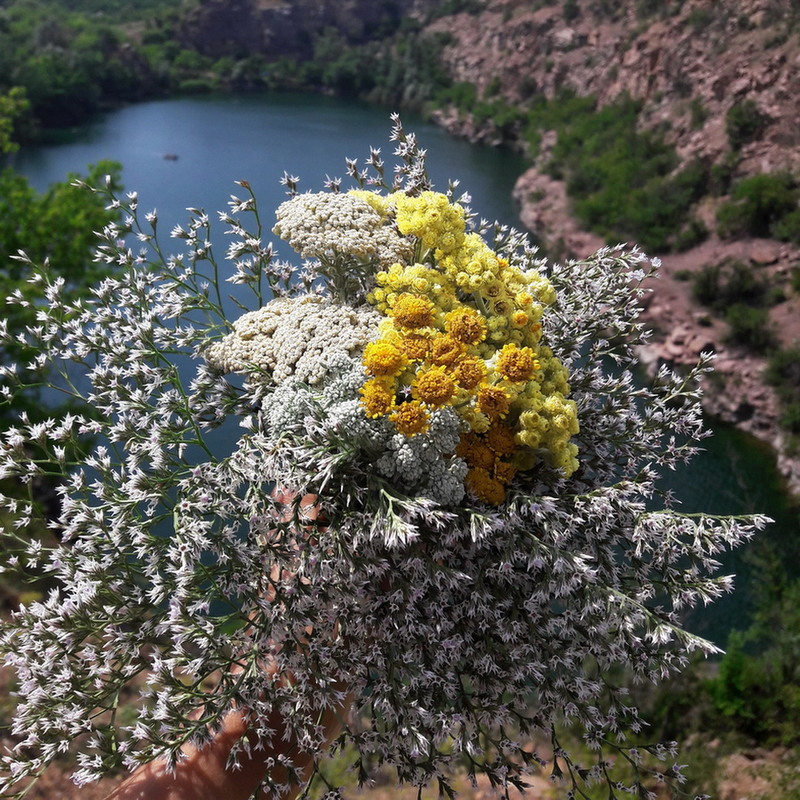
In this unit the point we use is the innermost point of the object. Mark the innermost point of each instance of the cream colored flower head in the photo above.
(330, 226)
(293, 337)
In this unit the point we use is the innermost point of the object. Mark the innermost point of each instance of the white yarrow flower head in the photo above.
(286, 337)
(345, 234)
(405, 474)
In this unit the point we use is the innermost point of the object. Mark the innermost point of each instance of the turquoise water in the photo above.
(218, 140)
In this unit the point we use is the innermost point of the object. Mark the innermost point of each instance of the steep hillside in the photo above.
(715, 82)
(690, 65)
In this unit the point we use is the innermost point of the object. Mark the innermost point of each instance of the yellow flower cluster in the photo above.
(462, 328)
(433, 220)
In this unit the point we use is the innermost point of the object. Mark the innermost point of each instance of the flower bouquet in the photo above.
(486, 550)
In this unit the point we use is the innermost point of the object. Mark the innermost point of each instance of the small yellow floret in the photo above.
(545, 292)
(496, 322)
(501, 306)
(524, 299)
(475, 452)
(383, 359)
(445, 351)
(412, 311)
(466, 325)
(493, 401)
(420, 284)
(519, 319)
(504, 472)
(493, 290)
(469, 372)
(411, 418)
(434, 386)
(484, 487)
(500, 439)
(478, 422)
(377, 398)
(517, 364)
(415, 345)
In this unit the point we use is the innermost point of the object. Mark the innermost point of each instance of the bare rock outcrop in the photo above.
(688, 69)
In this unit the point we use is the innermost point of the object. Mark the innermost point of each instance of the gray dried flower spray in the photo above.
(465, 630)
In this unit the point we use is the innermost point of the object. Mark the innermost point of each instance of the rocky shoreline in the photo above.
(735, 391)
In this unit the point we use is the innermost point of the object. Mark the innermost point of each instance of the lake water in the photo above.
(218, 140)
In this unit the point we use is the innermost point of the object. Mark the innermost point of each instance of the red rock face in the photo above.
(713, 53)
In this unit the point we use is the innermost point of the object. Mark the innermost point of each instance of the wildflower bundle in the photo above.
(464, 418)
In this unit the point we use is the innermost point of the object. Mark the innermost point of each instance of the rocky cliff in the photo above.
(688, 63)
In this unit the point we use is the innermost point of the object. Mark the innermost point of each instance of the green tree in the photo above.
(744, 123)
(61, 90)
(55, 225)
(13, 105)
(759, 206)
(70, 61)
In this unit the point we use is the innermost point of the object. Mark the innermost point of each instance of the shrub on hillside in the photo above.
(734, 289)
(720, 177)
(722, 285)
(743, 123)
(753, 694)
(762, 205)
(700, 18)
(783, 372)
(690, 236)
(571, 10)
(784, 369)
(750, 328)
(787, 228)
(621, 180)
(462, 95)
(194, 86)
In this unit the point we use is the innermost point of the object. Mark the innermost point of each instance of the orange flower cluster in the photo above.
(432, 354)
(486, 455)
